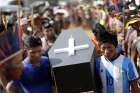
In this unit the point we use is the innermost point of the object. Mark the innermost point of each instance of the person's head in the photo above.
(48, 28)
(12, 66)
(108, 42)
(49, 12)
(33, 47)
(136, 25)
(49, 33)
(66, 23)
(112, 13)
(127, 12)
(59, 16)
(98, 30)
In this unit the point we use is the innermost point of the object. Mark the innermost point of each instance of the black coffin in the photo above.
(73, 71)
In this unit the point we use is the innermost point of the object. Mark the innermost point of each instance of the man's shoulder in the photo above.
(25, 61)
(125, 58)
(44, 58)
(98, 61)
(98, 58)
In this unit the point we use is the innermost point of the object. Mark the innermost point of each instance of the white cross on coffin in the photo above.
(71, 48)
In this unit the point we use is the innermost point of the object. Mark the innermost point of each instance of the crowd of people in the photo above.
(113, 27)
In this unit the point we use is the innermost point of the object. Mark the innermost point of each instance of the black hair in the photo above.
(99, 29)
(32, 41)
(108, 37)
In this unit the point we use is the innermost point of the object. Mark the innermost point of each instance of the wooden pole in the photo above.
(18, 11)
(32, 13)
(19, 22)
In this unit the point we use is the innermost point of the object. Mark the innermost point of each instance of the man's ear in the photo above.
(25, 53)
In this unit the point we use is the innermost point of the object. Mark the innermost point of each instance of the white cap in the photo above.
(63, 11)
(132, 6)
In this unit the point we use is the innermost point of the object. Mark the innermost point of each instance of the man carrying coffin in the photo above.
(36, 76)
(116, 71)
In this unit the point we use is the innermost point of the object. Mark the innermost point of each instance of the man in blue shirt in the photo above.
(116, 71)
(36, 77)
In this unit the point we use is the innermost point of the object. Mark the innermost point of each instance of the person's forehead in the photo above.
(107, 44)
(48, 29)
(134, 24)
(34, 49)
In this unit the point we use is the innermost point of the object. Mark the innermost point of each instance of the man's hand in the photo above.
(134, 86)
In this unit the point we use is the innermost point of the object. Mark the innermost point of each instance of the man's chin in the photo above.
(108, 57)
(36, 59)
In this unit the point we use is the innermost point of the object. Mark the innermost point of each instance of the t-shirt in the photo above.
(115, 75)
(36, 79)
(18, 86)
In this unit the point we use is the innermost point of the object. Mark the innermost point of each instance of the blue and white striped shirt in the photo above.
(115, 75)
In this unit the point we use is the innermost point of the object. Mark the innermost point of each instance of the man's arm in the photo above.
(126, 47)
(134, 55)
(133, 83)
(10, 88)
(134, 86)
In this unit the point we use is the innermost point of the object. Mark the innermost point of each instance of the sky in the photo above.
(4, 2)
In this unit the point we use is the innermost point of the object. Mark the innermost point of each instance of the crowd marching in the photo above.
(27, 36)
